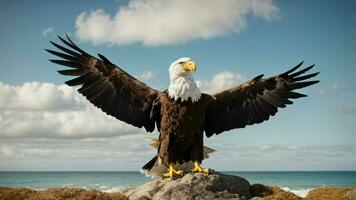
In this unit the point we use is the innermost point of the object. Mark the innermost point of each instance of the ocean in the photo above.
(299, 183)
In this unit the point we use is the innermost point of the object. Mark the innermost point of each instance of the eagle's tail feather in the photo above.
(153, 168)
(150, 164)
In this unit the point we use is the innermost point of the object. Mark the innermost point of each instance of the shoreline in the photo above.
(261, 192)
(191, 186)
(298, 192)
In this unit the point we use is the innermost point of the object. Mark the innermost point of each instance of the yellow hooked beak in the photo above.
(190, 66)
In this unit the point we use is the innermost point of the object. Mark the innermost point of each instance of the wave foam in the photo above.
(300, 192)
(112, 189)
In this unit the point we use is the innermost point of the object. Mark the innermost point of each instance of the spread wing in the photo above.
(106, 85)
(254, 101)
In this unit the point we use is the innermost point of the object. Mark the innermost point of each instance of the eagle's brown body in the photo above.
(181, 123)
(181, 129)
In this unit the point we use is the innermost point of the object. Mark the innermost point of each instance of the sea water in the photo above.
(299, 183)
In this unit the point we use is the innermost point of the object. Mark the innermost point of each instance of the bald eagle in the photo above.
(182, 114)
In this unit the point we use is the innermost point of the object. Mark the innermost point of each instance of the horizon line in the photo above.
(215, 171)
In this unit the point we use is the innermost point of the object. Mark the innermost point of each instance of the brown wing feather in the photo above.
(106, 85)
(254, 101)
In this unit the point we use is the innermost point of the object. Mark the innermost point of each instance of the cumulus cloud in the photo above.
(164, 22)
(221, 81)
(47, 31)
(45, 110)
(39, 96)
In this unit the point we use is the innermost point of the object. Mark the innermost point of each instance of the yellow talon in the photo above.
(172, 172)
(198, 168)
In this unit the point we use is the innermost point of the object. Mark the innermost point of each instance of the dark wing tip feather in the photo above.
(49, 51)
(258, 77)
(293, 69)
(70, 52)
(54, 44)
(301, 71)
(301, 78)
(68, 38)
(55, 61)
(60, 38)
(64, 41)
(272, 93)
(71, 44)
(52, 52)
(94, 77)
(298, 85)
(296, 95)
(66, 63)
(71, 72)
(62, 55)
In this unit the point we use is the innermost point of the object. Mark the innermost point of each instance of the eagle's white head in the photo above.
(182, 84)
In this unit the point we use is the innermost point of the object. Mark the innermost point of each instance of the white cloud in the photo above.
(334, 89)
(331, 89)
(163, 22)
(5, 152)
(219, 82)
(39, 96)
(147, 76)
(47, 31)
(45, 110)
(104, 148)
(234, 156)
(128, 152)
(346, 110)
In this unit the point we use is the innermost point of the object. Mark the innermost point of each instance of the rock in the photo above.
(264, 192)
(257, 198)
(198, 186)
(259, 190)
(58, 194)
(143, 198)
(351, 195)
(193, 186)
(279, 194)
(329, 194)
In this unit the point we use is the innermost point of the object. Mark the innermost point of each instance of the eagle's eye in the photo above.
(182, 62)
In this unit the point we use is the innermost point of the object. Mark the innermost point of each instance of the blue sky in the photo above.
(315, 133)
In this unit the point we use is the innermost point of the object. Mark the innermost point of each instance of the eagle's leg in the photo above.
(172, 172)
(198, 168)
